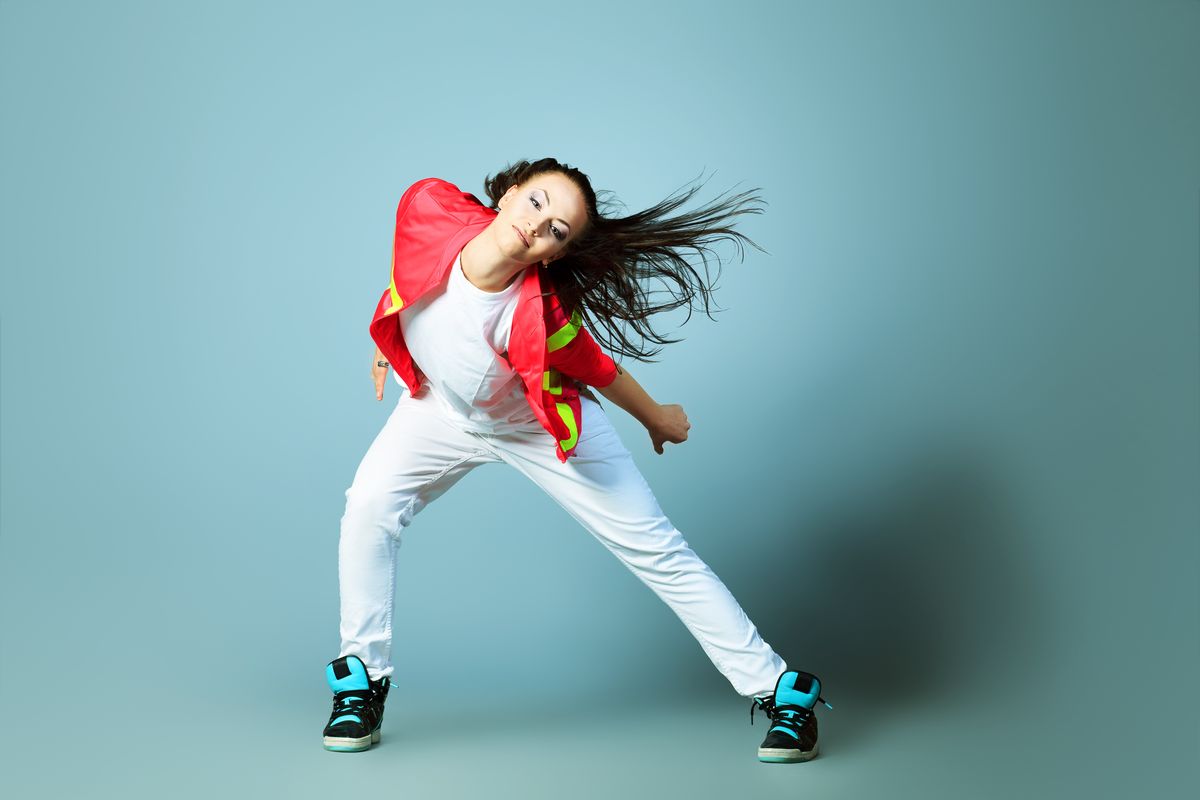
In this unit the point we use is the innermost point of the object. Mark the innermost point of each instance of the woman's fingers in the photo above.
(672, 427)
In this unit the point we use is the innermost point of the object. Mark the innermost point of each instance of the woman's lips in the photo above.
(523, 239)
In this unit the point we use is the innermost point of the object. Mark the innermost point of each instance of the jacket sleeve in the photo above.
(572, 351)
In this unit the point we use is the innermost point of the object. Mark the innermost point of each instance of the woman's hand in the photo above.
(665, 423)
(669, 424)
(378, 373)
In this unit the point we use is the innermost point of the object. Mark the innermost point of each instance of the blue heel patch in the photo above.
(788, 693)
(347, 673)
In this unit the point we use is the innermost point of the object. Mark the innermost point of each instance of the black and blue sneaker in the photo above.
(357, 705)
(793, 733)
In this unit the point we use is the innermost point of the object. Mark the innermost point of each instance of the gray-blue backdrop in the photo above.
(945, 430)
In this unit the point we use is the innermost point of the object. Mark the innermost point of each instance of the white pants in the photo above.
(420, 453)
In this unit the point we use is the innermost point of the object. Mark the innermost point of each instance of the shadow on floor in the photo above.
(905, 594)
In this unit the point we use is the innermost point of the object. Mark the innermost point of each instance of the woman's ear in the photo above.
(504, 198)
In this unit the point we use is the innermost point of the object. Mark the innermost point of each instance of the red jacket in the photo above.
(548, 348)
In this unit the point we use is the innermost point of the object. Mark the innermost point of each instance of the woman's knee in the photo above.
(676, 560)
(374, 508)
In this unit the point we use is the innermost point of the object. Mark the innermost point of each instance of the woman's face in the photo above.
(536, 220)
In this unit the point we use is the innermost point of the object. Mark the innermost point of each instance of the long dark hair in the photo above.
(604, 271)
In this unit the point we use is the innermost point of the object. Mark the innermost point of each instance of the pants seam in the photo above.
(406, 511)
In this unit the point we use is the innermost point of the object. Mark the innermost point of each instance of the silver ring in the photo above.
(381, 364)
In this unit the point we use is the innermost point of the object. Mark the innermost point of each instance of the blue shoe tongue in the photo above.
(797, 689)
(347, 673)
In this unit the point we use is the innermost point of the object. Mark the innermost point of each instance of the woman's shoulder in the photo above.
(557, 315)
(425, 186)
(440, 191)
(435, 184)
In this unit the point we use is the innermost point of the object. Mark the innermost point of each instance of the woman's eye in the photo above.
(557, 233)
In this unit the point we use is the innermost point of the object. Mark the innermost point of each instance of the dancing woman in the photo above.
(487, 326)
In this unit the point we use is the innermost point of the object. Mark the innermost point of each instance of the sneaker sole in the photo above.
(339, 744)
(779, 755)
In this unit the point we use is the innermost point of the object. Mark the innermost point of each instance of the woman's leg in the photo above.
(416, 457)
(602, 488)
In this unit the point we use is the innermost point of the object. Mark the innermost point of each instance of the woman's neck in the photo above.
(486, 268)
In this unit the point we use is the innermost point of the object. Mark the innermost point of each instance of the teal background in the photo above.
(945, 443)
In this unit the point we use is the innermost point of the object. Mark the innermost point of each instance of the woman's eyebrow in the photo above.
(560, 219)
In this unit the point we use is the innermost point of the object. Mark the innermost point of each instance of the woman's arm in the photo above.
(665, 423)
(378, 373)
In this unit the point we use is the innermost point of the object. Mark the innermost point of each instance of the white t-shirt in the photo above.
(456, 334)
